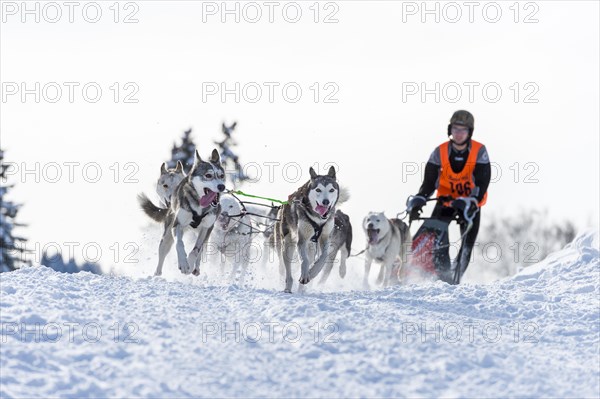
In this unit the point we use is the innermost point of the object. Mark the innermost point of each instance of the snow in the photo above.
(83, 335)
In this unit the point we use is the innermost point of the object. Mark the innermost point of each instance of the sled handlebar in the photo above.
(459, 215)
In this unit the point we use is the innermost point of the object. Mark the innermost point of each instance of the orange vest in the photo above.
(458, 184)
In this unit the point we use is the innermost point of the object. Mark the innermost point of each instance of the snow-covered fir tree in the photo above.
(229, 158)
(12, 247)
(185, 152)
(57, 263)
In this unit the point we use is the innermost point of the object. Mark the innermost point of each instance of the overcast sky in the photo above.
(368, 68)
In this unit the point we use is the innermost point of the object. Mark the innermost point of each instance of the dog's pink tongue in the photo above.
(207, 199)
(322, 210)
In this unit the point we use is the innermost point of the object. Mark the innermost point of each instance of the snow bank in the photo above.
(83, 335)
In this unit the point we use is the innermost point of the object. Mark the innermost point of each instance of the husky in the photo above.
(305, 221)
(388, 243)
(341, 240)
(232, 236)
(167, 182)
(195, 203)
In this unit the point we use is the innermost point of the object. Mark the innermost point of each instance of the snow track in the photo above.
(83, 335)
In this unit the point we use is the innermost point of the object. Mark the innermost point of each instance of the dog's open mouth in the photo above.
(322, 210)
(209, 198)
(373, 235)
(224, 222)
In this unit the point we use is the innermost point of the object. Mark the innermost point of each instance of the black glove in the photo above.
(414, 204)
(467, 207)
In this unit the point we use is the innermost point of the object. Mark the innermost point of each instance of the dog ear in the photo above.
(197, 160)
(163, 168)
(312, 172)
(331, 172)
(179, 167)
(215, 157)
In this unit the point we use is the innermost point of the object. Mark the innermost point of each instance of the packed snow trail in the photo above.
(535, 334)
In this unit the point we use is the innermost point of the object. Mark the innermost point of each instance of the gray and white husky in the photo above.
(167, 182)
(305, 221)
(388, 243)
(232, 236)
(195, 203)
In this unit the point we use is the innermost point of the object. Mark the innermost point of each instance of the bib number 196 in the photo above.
(463, 189)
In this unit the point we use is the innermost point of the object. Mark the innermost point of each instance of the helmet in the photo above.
(464, 118)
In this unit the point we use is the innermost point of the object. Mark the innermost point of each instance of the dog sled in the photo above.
(430, 247)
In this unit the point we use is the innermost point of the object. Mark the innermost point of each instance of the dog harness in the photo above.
(453, 184)
(196, 218)
(317, 227)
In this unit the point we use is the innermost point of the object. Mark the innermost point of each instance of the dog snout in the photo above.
(370, 226)
(221, 187)
(325, 201)
(225, 214)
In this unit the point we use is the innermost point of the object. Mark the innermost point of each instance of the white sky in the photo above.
(370, 133)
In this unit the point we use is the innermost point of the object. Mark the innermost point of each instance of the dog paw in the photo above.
(196, 272)
(304, 280)
(287, 290)
(191, 259)
(183, 266)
